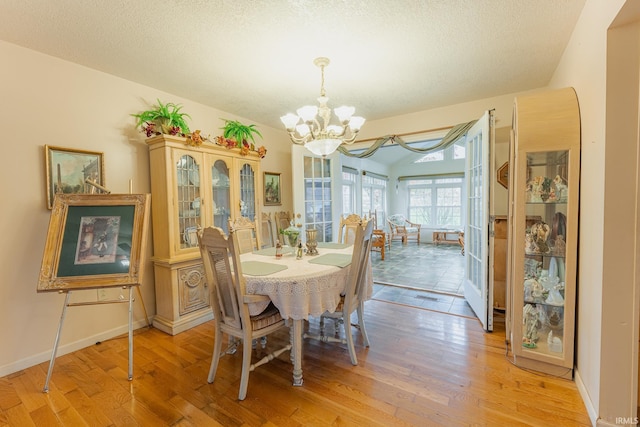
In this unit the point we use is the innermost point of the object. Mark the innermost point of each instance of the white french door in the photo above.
(317, 191)
(478, 288)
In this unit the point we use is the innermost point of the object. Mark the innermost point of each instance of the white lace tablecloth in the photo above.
(304, 289)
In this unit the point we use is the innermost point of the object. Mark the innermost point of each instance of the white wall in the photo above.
(49, 101)
(583, 66)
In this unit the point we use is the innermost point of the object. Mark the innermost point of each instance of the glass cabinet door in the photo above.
(545, 236)
(221, 195)
(188, 200)
(247, 191)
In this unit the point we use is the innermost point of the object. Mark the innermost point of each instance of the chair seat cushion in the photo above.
(270, 316)
(412, 229)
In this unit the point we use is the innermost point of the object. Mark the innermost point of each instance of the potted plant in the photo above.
(164, 118)
(237, 135)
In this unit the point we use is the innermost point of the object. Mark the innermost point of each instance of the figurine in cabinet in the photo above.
(560, 189)
(536, 239)
(531, 325)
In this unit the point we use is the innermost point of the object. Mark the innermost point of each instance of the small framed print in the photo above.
(503, 175)
(272, 191)
(69, 169)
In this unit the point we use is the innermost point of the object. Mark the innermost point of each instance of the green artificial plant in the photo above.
(239, 132)
(167, 117)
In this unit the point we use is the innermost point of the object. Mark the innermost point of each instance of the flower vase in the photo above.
(312, 242)
(292, 239)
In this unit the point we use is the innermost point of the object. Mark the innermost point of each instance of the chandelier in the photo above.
(322, 140)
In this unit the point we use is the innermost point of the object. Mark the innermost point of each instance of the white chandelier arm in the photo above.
(298, 140)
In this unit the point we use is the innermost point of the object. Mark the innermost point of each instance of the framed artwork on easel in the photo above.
(94, 241)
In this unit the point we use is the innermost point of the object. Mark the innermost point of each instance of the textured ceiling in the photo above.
(255, 58)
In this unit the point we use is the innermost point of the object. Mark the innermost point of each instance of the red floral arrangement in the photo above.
(245, 147)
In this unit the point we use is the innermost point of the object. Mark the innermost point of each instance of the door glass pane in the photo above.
(317, 193)
(188, 195)
(221, 195)
(247, 192)
(474, 203)
(545, 236)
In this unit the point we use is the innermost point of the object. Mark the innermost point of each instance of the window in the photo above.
(459, 150)
(435, 156)
(349, 177)
(374, 190)
(453, 152)
(436, 202)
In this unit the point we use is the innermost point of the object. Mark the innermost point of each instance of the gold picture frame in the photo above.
(95, 241)
(68, 169)
(503, 175)
(272, 190)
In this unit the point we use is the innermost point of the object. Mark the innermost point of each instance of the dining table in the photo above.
(300, 287)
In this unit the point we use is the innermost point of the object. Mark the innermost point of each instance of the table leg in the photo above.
(296, 350)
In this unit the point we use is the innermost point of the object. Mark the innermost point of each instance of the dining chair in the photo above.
(229, 301)
(283, 221)
(379, 240)
(354, 295)
(266, 231)
(247, 234)
(348, 227)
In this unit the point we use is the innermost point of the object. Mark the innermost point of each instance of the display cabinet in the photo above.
(192, 188)
(544, 189)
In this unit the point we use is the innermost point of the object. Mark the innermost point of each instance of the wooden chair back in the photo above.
(246, 232)
(283, 221)
(355, 291)
(221, 260)
(266, 231)
(348, 228)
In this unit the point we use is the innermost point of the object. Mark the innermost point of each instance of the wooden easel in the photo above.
(101, 285)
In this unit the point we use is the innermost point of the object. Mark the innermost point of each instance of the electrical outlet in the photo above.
(102, 295)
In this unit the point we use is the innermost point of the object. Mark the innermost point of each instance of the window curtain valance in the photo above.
(451, 137)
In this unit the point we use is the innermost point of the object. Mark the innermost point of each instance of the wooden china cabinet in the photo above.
(543, 239)
(192, 188)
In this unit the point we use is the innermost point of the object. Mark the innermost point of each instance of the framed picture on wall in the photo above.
(95, 241)
(69, 169)
(503, 175)
(272, 194)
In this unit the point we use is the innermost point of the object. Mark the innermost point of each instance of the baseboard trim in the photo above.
(591, 410)
(45, 356)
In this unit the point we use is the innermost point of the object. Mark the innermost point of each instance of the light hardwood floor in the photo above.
(424, 368)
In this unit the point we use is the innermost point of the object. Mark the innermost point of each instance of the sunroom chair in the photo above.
(354, 295)
(229, 301)
(379, 241)
(348, 227)
(246, 233)
(266, 231)
(400, 228)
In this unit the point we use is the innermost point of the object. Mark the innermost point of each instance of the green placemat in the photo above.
(339, 260)
(331, 245)
(259, 268)
(266, 252)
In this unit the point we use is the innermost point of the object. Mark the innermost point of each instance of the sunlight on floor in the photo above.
(425, 275)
